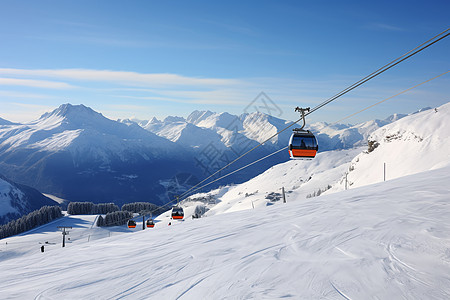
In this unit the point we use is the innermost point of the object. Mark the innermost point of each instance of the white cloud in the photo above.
(14, 94)
(35, 83)
(123, 77)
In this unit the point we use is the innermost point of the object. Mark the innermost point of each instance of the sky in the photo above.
(157, 58)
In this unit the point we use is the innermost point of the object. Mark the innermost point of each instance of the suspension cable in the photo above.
(241, 168)
(381, 70)
(379, 102)
(386, 67)
(368, 107)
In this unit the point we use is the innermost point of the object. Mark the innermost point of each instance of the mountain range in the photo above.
(77, 154)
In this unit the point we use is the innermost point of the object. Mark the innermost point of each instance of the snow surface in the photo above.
(390, 240)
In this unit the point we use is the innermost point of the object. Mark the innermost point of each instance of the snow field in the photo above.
(389, 240)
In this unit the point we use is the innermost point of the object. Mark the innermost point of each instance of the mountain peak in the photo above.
(69, 110)
(77, 116)
(197, 116)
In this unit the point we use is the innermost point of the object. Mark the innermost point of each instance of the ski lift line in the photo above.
(236, 159)
(379, 102)
(392, 62)
(381, 70)
(349, 116)
(398, 94)
(260, 159)
(237, 170)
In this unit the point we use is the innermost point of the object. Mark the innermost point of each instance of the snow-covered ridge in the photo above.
(413, 144)
(254, 128)
(76, 127)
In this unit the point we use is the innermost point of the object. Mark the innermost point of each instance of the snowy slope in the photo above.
(357, 244)
(300, 179)
(416, 143)
(17, 200)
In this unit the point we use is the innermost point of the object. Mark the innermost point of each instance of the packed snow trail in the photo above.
(388, 241)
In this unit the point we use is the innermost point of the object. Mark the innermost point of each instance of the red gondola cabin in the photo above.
(302, 145)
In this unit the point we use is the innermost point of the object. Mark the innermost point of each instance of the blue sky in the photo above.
(157, 58)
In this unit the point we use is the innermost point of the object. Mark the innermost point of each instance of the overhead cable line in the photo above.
(241, 168)
(284, 148)
(398, 94)
(196, 188)
(386, 67)
(368, 107)
(381, 70)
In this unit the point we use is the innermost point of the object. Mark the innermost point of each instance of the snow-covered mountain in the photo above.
(219, 138)
(17, 200)
(249, 129)
(414, 144)
(74, 146)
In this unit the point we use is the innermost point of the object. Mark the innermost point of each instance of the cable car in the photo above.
(131, 224)
(150, 223)
(302, 144)
(177, 213)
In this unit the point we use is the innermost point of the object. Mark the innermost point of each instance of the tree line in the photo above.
(32, 220)
(89, 208)
(118, 218)
(113, 216)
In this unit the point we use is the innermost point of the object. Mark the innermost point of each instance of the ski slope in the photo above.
(389, 240)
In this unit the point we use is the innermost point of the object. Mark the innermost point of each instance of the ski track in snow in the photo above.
(329, 247)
